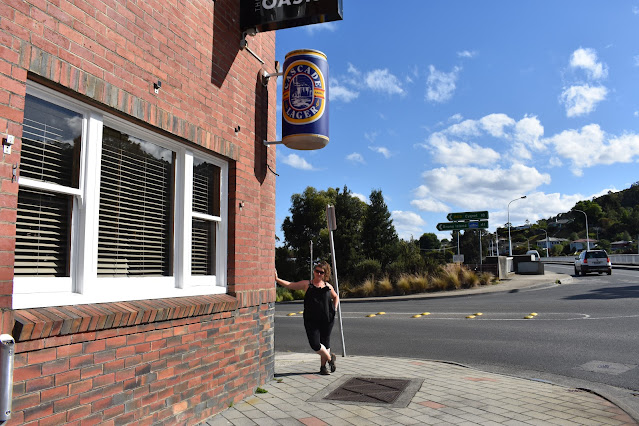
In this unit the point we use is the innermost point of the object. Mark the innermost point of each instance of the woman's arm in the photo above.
(334, 296)
(299, 285)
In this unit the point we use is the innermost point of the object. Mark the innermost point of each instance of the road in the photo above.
(585, 333)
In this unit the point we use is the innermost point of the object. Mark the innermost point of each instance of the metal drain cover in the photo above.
(382, 391)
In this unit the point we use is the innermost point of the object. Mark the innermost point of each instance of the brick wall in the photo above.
(170, 361)
(167, 372)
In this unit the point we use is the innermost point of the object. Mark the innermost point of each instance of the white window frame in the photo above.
(84, 286)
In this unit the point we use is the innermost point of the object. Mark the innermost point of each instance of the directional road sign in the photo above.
(467, 216)
(447, 226)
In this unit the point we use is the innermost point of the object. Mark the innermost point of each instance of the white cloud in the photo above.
(355, 158)
(381, 150)
(296, 162)
(338, 92)
(430, 205)
(494, 124)
(460, 153)
(353, 70)
(636, 59)
(586, 59)
(599, 147)
(529, 131)
(440, 86)
(325, 26)
(455, 118)
(536, 206)
(361, 197)
(473, 187)
(467, 54)
(581, 100)
(465, 129)
(555, 162)
(522, 137)
(635, 10)
(636, 114)
(383, 81)
(408, 224)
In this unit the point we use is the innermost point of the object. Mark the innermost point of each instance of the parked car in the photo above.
(534, 253)
(593, 261)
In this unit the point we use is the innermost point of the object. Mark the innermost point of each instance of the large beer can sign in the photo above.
(305, 100)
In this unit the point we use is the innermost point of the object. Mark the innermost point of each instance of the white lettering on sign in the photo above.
(270, 4)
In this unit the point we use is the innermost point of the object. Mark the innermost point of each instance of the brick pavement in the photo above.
(450, 394)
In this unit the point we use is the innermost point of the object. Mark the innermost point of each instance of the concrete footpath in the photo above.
(366, 390)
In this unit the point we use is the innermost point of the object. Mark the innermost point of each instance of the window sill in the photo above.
(40, 323)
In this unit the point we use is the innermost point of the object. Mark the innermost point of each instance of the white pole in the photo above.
(311, 242)
(510, 244)
(480, 253)
(332, 225)
(587, 239)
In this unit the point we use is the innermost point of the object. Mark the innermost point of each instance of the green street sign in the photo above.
(467, 216)
(448, 226)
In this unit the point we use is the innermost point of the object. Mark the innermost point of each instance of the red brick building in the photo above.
(137, 209)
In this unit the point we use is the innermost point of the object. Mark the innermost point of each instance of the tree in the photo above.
(379, 238)
(347, 239)
(308, 223)
(429, 241)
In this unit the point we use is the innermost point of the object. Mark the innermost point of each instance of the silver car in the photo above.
(593, 261)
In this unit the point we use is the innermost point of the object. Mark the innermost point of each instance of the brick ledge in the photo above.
(39, 323)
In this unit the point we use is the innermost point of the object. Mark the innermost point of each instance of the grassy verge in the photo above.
(449, 277)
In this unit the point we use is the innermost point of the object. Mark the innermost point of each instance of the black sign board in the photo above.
(268, 15)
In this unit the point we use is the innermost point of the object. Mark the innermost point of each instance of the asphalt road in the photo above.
(585, 334)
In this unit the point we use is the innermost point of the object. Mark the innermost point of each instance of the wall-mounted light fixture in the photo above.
(156, 87)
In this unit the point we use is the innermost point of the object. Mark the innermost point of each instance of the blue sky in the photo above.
(452, 106)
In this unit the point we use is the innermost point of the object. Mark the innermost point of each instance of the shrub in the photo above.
(384, 287)
(404, 284)
(486, 278)
(420, 283)
(283, 295)
(366, 289)
(299, 294)
(468, 278)
(366, 269)
(395, 270)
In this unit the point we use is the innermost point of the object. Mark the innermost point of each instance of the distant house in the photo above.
(620, 245)
(550, 243)
(559, 223)
(581, 244)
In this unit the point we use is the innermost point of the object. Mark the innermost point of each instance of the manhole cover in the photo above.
(382, 391)
(364, 389)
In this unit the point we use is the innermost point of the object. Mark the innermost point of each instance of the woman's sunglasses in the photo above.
(319, 271)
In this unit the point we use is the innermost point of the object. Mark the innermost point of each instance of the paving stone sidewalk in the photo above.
(446, 394)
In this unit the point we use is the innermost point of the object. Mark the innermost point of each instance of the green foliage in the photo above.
(429, 241)
(299, 294)
(283, 295)
(307, 223)
(366, 269)
(349, 214)
(379, 239)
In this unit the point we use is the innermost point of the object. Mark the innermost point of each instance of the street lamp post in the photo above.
(587, 238)
(546, 241)
(510, 244)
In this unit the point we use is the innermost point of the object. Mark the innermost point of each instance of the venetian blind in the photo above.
(136, 206)
(50, 152)
(206, 200)
(42, 234)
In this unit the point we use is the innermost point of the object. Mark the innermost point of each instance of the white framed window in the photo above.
(110, 211)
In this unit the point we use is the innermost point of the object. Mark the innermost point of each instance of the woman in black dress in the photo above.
(320, 304)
